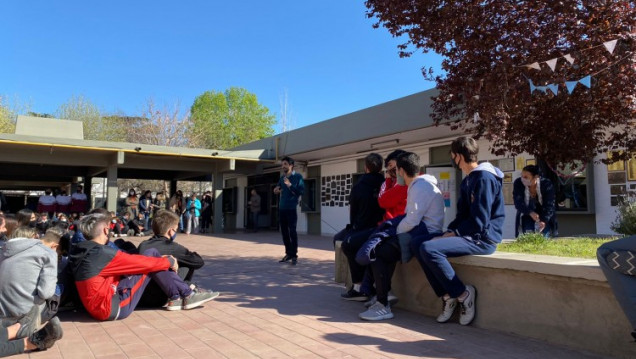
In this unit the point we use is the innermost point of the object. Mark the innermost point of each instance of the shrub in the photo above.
(625, 222)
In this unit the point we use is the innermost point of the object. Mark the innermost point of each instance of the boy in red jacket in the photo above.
(110, 282)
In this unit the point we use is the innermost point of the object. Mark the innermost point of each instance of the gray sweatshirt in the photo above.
(424, 203)
(28, 275)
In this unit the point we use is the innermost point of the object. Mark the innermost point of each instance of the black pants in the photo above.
(387, 255)
(351, 243)
(288, 220)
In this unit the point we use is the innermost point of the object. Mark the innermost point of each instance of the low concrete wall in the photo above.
(561, 300)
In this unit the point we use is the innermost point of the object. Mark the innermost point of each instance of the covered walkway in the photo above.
(273, 310)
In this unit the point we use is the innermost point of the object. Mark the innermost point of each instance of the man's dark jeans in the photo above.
(288, 220)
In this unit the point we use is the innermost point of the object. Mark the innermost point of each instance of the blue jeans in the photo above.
(433, 257)
(255, 221)
(288, 219)
(623, 285)
(131, 288)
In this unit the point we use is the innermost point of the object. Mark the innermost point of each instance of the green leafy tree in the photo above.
(490, 48)
(222, 120)
(7, 118)
(96, 125)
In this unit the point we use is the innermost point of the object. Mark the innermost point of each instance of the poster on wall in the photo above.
(444, 186)
(507, 193)
(507, 177)
(507, 164)
(631, 169)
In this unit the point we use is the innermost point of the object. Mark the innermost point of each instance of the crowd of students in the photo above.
(401, 216)
(77, 262)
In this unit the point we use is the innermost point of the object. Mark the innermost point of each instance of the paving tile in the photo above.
(273, 310)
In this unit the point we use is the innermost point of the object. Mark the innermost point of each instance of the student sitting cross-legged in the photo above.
(28, 276)
(110, 282)
(165, 225)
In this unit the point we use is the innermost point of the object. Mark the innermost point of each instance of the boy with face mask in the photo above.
(165, 226)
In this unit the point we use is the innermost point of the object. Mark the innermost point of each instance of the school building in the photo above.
(330, 156)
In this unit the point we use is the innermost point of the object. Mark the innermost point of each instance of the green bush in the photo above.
(532, 238)
(625, 222)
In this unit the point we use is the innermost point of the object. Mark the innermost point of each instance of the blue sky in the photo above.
(325, 54)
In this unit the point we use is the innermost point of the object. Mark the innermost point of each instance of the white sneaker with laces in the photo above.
(377, 312)
(448, 308)
(468, 306)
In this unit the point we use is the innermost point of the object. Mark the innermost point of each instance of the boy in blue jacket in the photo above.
(477, 229)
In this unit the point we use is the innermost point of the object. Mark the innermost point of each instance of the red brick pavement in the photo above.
(273, 310)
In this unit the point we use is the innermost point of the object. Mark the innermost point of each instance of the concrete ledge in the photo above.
(561, 300)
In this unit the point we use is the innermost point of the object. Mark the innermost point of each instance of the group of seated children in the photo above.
(373, 249)
(37, 273)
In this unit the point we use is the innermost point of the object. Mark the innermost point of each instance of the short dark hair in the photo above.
(90, 224)
(467, 147)
(163, 221)
(392, 156)
(409, 162)
(288, 160)
(532, 169)
(373, 162)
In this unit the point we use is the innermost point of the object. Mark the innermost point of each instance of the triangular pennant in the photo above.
(532, 86)
(552, 63)
(534, 65)
(542, 88)
(571, 85)
(569, 58)
(585, 81)
(610, 45)
(554, 88)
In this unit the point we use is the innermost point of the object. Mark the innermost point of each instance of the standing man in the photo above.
(476, 229)
(290, 187)
(255, 208)
(79, 201)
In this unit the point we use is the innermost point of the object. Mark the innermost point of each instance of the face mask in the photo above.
(33, 224)
(526, 182)
(131, 193)
(455, 165)
(173, 236)
(400, 180)
(114, 221)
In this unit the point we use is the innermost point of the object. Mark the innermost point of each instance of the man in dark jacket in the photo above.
(290, 187)
(364, 215)
(110, 282)
(165, 243)
(476, 229)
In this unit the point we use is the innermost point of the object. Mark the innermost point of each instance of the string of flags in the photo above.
(569, 85)
(552, 63)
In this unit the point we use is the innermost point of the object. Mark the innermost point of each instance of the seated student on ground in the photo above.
(110, 283)
(165, 225)
(615, 259)
(117, 226)
(476, 229)
(28, 276)
(26, 217)
(137, 225)
(14, 338)
(364, 216)
(424, 215)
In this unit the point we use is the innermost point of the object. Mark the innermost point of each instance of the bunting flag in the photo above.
(610, 45)
(554, 88)
(571, 85)
(585, 81)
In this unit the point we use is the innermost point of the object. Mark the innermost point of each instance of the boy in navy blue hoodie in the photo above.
(477, 229)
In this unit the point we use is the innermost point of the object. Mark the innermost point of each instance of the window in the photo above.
(309, 200)
(573, 187)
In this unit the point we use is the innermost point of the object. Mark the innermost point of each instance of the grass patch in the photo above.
(532, 243)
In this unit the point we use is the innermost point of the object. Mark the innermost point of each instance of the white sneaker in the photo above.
(468, 306)
(377, 312)
(392, 298)
(448, 308)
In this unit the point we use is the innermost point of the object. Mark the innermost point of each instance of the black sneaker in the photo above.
(355, 296)
(47, 336)
(634, 335)
(286, 258)
(294, 261)
(29, 323)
